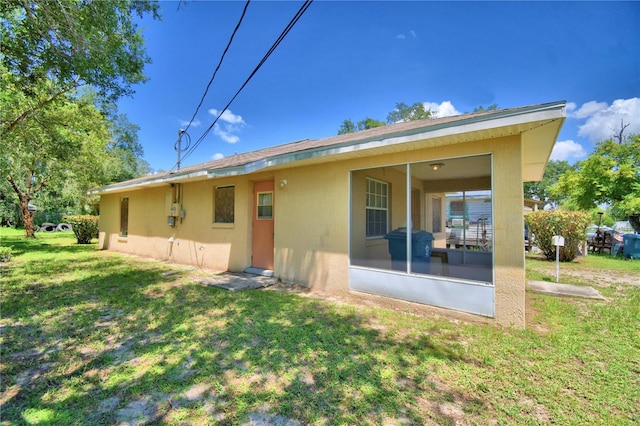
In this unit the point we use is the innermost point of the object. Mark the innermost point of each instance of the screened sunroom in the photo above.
(423, 232)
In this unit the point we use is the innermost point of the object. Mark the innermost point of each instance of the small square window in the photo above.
(265, 205)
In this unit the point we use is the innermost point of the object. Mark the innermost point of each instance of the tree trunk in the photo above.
(25, 197)
(29, 230)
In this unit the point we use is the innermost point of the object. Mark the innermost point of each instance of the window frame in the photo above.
(218, 202)
(258, 206)
(377, 198)
(436, 214)
(124, 217)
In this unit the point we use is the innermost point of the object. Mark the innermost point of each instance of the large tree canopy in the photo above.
(611, 174)
(70, 44)
(55, 56)
(62, 141)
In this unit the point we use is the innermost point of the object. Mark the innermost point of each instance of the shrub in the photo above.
(5, 254)
(85, 227)
(569, 224)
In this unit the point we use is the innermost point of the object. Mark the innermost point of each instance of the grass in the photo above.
(90, 337)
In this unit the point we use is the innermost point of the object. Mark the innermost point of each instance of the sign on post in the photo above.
(557, 241)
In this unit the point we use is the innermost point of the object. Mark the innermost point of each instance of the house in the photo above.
(316, 212)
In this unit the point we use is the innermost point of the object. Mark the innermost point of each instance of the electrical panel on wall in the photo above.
(175, 210)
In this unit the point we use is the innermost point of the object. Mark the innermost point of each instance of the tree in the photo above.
(368, 123)
(52, 137)
(542, 190)
(69, 44)
(611, 174)
(124, 151)
(492, 107)
(346, 127)
(60, 143)
(403, 113)
(619, 135)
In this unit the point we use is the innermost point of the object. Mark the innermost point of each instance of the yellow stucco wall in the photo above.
(312, 221)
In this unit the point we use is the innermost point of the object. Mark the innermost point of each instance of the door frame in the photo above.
(263, 229)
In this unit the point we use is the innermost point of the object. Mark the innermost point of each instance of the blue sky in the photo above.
(351, 60)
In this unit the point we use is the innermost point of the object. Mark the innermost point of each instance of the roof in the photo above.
(539, 124)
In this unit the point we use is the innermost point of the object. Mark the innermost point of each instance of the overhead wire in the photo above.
(273, 47)
(215, 72)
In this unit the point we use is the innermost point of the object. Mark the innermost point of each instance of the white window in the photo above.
(265, 205)
(377, 208)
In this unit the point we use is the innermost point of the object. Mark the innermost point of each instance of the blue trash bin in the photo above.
(421, 247)
(631, 246)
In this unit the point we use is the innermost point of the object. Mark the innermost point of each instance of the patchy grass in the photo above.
(605, 272)
(90, 337)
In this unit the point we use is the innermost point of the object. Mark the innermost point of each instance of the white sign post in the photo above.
(557, 241)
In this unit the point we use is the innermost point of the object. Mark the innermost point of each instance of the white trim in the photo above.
(384, 209)
(129, 185)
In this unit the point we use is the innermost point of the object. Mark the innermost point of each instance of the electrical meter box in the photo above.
(174, 210)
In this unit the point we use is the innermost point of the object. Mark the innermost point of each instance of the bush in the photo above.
(5, 254)
(84, 226)
(568, 224)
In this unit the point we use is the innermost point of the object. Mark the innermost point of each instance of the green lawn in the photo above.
(90, 337)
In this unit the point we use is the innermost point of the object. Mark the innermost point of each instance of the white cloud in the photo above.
(403, 36)
(217, 156)
(194, 123)
(225, 134)
(228, 116)
(567, 150)
(589, 109)
(443, 109)
(603, 120)
(231, 125)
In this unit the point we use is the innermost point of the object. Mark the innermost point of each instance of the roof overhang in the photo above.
(151, 181)
(539, 129)
(538, 125)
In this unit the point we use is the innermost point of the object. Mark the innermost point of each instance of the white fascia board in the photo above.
(132, 186)
(227, 172)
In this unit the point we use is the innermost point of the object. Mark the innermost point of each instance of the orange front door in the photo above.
(263, 208)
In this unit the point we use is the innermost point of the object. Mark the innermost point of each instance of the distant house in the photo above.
(316, 212)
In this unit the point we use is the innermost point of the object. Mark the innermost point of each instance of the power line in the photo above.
(284, 33)
(213, 76)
